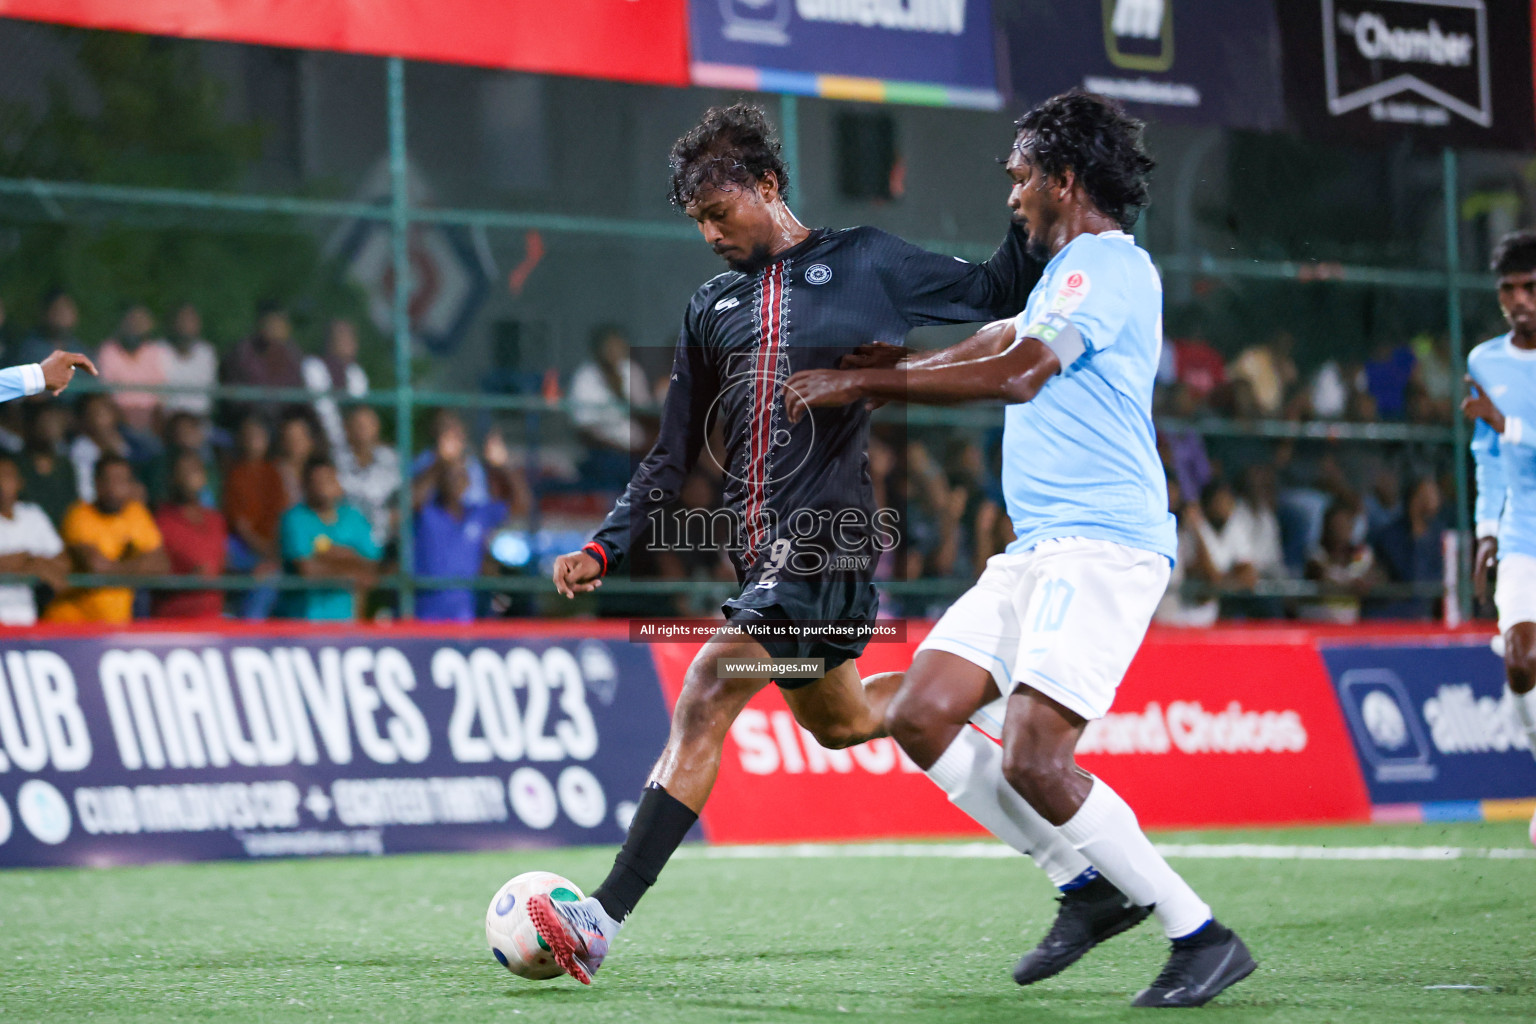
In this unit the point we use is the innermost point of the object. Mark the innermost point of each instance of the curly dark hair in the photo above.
(730, 145)
(1099, 142)
(1515, 253)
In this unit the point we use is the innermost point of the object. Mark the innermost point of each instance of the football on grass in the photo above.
(513, 939)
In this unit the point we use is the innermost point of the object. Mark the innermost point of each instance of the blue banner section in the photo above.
(150, 747)
(946, 43)
(1196, 61)
(1432, 723)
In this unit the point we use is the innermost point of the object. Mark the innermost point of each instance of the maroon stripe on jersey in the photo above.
(764, 392)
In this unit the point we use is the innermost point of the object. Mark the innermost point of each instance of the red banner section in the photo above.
(627, 40)
(1210, 728)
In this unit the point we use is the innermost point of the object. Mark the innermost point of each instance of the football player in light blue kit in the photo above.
(1053, 623)
(1502, 376)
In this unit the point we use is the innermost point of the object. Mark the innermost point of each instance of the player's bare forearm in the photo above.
(991, 340)
(1016, 375)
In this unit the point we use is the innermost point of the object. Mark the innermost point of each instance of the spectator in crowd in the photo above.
(29, 546)
(1198, 366)
(190, 362)
(113, 533)
(57, 331)
(451, 538)
(1332, 385)
(605, 390)
(102, 434)
(266, 359)
(1387, 376)
(1269, 368)
(1239, 541)
(1175, 609)
(1343, 567)
(1183, 451)
(335, 371)
(370, 472)
(1383, 500)
(132, 357)
(325, 538)
(450, 442)
(934, 514)
(253, 505)
(1432, 376)
(184, 432)
(296, 445)
(1362, 408)
(47, 474)
(1409, 550)
(195, 540)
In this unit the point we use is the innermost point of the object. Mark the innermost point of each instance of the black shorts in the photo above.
(849, 603)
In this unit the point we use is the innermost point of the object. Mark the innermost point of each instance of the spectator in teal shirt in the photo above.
(325, 538)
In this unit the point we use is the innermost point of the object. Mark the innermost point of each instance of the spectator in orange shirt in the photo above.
(253, 503)
(114, 534)
(195, 539)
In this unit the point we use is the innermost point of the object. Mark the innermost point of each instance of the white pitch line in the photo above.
(1203, 851)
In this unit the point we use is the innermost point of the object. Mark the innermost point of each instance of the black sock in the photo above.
(660, 823)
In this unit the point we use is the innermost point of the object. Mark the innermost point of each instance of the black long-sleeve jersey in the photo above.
(798, 496)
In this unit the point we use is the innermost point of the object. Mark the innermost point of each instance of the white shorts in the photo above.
(1515, 592)
(1064, 618)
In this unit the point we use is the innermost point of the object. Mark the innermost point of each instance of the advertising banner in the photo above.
(937, 52)
(160, 746)
(1193, 61)
(1209, 729)
(625, 40)
(1432, 724)
(1451, 72)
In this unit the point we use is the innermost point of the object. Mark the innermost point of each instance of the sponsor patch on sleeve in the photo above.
(1070, 295)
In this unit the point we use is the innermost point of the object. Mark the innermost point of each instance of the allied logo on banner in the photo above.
(756, 21)
(1408, 61)
(1387, 731)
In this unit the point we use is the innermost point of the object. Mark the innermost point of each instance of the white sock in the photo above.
(971, 772)
(1525, 708)
(1105, 831)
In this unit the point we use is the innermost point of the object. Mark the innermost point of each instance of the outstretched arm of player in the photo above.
(931, 288)
(1014, 374)
(659, 478)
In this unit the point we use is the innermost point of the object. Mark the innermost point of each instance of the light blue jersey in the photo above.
(1080, 460)
(1506, 464)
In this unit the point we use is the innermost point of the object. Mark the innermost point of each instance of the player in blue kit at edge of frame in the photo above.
(1501, 373)
(1036, 649)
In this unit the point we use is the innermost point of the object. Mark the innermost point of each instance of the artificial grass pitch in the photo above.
(884, 939)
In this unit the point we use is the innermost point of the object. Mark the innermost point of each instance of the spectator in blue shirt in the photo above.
(1410, 549)
(325, 538)
(452, 529)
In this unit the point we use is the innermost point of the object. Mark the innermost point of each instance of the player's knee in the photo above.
(919, 706)
(838, 735)
(1035, 777)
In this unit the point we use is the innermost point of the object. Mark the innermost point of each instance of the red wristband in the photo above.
(593, 547)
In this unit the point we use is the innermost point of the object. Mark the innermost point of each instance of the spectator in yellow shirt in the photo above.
(114, 534)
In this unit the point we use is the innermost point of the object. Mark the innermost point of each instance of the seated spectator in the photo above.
(1410, 549)
(114, 533)
(604, 391)
(102, 434)
(57, 331)
(335, 371)
(253, 505)
(47, 474)
(184, 432)
(1342, 566)
(1387, 376)
(1183, 451)
(451, 538)
(296, 445)
(1331, 387)
(1384, 500)
(325, 538)
(1269, 368)
(190, 362)
(369, 472)
(195, 538)
(1199, 366)
(266, 359)
(1239, 541)
(29, 546)
(1432, 378)
(450, 442)
(132, 357)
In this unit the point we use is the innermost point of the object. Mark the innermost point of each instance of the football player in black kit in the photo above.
(808, 533)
